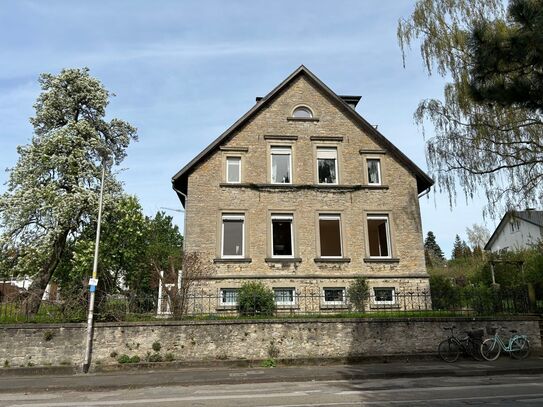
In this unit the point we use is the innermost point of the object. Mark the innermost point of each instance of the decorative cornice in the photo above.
(298, 187)
(280, 137)
(372, 151)
(303, 119)
(238, 149)
(326, 138)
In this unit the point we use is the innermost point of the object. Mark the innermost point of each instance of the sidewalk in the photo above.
(206, 376)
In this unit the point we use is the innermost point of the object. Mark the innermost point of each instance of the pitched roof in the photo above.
(531, 216)
(180, 179)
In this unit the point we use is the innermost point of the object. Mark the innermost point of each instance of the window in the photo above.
(233, 169)
(281, 165)
(282, 242)
(229, 296)
(327, 165)
(378, 236)
(374, 171)
(515, 226)
(330, 235)
(303, 112)
(384, 295)
(232, 236)
(284, 296)
(334, 296)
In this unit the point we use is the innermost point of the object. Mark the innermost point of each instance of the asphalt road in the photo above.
(510, 390)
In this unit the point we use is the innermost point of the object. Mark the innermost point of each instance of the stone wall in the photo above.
(27, 345)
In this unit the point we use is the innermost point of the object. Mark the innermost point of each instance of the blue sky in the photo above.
(185, 71)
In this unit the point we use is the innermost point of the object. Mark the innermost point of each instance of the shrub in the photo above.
(358, 293)
(123, 359)
(482, 299)
(256, 299)
(270, 362)
(135, 359)
(445, 294)
(155, 357)
(156, 346)
(169, 357)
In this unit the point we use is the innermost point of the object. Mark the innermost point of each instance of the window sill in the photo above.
(318, 187)
(226, 307)
(302, 119)
(240, 260)
(332, 260)
(284, 260)
(334, 306)
(384, 306)
(381, 260)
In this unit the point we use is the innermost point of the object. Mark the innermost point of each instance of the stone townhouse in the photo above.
(303, 194)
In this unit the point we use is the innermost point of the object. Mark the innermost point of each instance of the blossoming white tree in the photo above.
(53, 188)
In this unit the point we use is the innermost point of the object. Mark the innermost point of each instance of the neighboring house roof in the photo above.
(531, 216)
(180, 180)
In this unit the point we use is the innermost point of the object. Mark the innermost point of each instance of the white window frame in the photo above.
(385, 302)
(283, 217)
(328, 153)
(232, 158)
(331, 217)
(228, 304)
(334, 302)
(293, 290)
(233, 217)
(281, 150)
(379, 178)
(379, 217)
(303, 107)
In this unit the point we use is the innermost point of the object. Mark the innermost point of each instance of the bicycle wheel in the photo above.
(490, 349)
(474, 349)
(520, 348)
(449, 350)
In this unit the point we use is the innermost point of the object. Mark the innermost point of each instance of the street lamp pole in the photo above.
(93, 282)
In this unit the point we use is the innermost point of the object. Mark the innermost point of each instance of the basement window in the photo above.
(284, 296)
(384, 295)
(228, 296)
(334, 296)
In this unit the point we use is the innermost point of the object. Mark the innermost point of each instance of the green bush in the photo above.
(123, 359)
(156, 346)
(445, 294)
(256, 299)
(155, 357)
(169, 357)
(481, 299)
(135, 359)
(358, 293)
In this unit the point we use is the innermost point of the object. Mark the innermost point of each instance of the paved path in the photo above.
(216, 376)
(509, 390)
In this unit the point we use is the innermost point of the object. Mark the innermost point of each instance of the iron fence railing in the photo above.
(200, 304)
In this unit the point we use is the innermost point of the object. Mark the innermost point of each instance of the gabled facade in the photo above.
(304, 195)
(518, 230)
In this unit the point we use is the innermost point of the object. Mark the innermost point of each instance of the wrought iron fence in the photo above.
(200, 304)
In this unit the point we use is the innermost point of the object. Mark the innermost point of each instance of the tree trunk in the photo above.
(38, 286)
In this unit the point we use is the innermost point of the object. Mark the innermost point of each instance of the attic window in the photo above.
(302, 112)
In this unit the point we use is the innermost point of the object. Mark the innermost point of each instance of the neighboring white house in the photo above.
(516, 231)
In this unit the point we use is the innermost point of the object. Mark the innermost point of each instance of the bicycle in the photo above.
(518, 346)
(450, 348)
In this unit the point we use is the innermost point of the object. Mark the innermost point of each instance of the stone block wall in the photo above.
(26, 345)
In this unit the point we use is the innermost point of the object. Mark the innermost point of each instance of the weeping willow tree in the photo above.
(484, 138)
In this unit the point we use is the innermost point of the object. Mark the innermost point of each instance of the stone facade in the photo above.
(353, 199)
(204, 342)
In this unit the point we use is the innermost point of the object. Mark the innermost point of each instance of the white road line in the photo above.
(160, 400)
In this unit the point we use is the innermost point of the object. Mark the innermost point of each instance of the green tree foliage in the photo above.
(445, 294)
(256, 299)
(53, 188)
(492, 142)
(358, 293)
(432, 252)
(164, 249)
(460, 249)
(508, 57)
